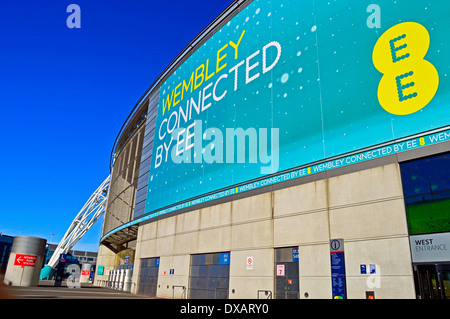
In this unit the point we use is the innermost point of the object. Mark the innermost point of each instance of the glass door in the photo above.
(444, 280)
(432, 281)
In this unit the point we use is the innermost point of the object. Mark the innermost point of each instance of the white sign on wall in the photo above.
(430, 247)
(250, 263)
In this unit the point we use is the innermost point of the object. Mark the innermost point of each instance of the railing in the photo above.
(291, 295)
(424, 197)
(267, 293)
(223, 290)
(183, 293)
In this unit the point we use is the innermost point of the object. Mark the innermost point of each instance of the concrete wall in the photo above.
(105, 258)
(365, 208)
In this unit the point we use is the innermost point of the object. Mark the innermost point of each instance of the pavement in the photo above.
(47, 290)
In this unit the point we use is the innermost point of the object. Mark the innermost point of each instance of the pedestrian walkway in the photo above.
(46, 290)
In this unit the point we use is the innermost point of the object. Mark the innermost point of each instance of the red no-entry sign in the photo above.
(25, 260)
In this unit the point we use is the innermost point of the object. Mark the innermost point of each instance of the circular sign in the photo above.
(335, 244)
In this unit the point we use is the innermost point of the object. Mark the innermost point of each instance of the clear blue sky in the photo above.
(65, 93)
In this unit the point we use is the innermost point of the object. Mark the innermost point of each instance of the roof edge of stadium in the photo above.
(201, 36)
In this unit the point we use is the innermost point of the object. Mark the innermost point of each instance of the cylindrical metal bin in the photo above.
(85, 272)
(128, 277)
(114, 279)
(121, 278)
(25, 261)
(110, 276)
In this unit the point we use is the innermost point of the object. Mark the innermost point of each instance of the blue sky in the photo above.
(65, 93)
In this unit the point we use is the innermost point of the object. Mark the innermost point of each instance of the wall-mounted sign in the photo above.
(225, 258)
(280, 270)
(25, 260)
(363, 269)
(295, 254)
(249, 265)
(338, 276)
(373, 268)
(430, 247)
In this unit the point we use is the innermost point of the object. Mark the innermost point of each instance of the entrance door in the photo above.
(444, 274)
(286, 273)
(432, 281)
(148, 276)
(209, 276)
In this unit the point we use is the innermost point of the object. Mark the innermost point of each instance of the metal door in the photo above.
(287, 273)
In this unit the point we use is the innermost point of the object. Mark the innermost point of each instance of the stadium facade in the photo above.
(292, 150)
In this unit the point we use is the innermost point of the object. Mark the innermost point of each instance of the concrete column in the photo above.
(25, 261)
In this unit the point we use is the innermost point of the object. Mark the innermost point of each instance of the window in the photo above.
(426, 188)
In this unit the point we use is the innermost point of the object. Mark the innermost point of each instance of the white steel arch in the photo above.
(88, 215)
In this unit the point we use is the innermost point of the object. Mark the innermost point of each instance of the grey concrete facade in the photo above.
(365, 208)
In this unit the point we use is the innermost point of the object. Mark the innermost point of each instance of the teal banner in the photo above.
(394, 148)
(285, 85)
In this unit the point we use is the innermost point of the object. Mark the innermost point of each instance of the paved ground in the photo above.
(46, 290)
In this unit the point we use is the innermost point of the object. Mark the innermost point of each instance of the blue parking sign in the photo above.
(225, 259)
(295, 254)
(363, 269)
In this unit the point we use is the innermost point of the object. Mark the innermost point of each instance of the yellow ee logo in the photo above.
(409, 82)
